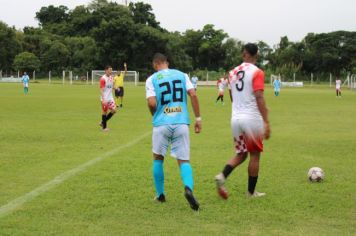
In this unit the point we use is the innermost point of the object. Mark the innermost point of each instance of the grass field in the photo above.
(54, 129)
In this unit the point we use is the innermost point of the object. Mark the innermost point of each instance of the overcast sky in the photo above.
(248, 21)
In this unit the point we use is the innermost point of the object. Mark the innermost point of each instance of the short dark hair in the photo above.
(107, 67)
(251, 48)
(159, 58)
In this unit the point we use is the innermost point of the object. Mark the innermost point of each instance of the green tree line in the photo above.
(106, 33)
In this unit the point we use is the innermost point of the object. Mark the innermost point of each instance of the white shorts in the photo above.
(248, 135)
(176, 135)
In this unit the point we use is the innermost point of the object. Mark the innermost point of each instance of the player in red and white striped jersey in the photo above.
(338, 83)
(107, 100)
(249, 121)
(221, 84)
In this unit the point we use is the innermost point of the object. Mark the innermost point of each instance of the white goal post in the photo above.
(130, 76)
(352, 81)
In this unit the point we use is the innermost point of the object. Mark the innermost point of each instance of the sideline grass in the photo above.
(55, 129)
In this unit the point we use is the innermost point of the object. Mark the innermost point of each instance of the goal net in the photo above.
(131, 77)
(350, 82)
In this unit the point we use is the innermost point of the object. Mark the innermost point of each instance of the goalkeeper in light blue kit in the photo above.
(195, 82)
(277, 87)
(166, 94)
(25, 82)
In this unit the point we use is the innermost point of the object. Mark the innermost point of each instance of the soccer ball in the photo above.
(315, 174)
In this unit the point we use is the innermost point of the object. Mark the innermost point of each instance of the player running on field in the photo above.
(221, 84)
(249, 121)
(166, 93)
(107, 100)
(338, 87)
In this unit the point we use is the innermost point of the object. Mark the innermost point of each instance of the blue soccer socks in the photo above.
(186, 174)
(158, 176)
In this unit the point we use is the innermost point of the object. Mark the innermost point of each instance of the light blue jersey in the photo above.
(25, 79)
(277, 84)
(195, 81)
(170, 89)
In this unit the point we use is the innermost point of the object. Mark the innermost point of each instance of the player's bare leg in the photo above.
(187, 178)
(158, 177)
(230, 166)
(253, 169)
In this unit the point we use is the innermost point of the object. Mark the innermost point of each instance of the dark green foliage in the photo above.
(52, 15)
(142, 14)
(26, 61)
(317, 53)
(9, 46)
(56, 57)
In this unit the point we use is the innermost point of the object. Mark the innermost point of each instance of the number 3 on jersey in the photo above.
(177, 92)
(240, 80)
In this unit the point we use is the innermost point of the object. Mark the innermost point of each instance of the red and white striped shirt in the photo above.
(106, 84)
(244, 80)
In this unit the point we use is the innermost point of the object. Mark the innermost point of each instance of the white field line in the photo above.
(12, 205)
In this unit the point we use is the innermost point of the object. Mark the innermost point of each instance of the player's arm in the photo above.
(196, 109)
(258, 88)
(261, 104)
(102, 88)
(102, 94)
(151, 96)
(151, 103)
(195, 103)
(125, 69)
(229, 85)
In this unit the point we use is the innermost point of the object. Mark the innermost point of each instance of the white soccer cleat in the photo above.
(255, 194)
(220, 181)
(106, 130)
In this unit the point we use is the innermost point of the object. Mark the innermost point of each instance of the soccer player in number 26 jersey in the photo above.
(166, 93)
(249, 121)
